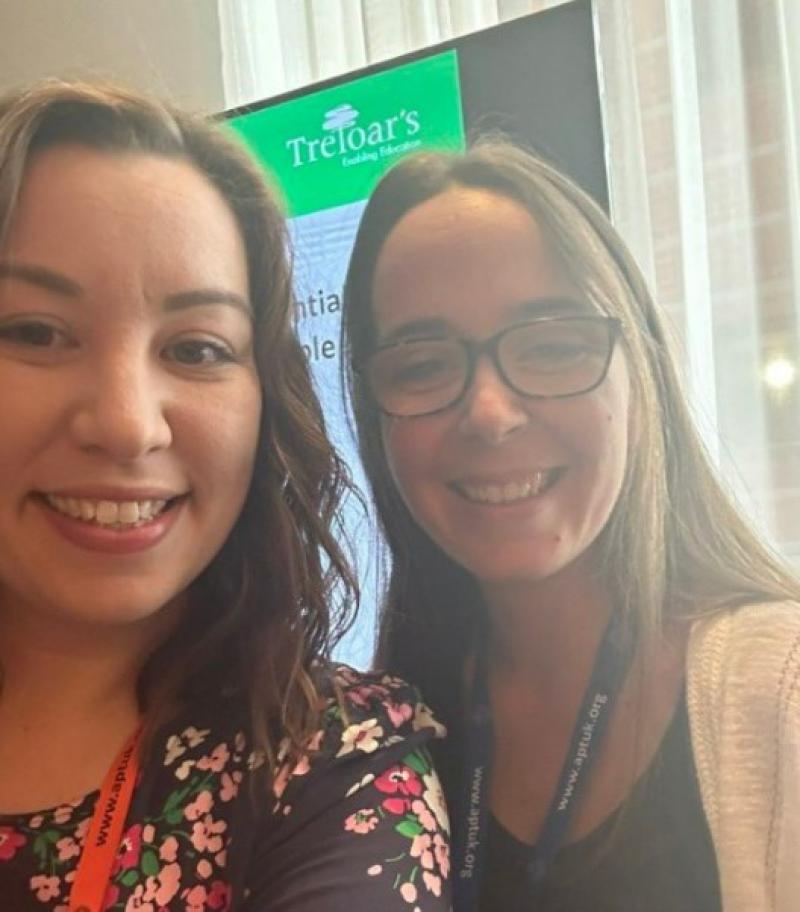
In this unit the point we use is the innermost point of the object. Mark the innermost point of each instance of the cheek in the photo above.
(408, 451)
(617, 456)
(21, 431)
(219, 435)
(611, 448)
(396, 450)
(620, 424)
(616, 413)
(35, 417)
(595, 430)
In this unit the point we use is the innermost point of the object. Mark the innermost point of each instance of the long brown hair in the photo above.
(279, 593)
(675, 545)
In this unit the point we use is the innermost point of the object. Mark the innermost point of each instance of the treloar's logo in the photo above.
(340, 117)
(354, 144)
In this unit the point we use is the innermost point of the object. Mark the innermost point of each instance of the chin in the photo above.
(517, 562)
(517, 576)
(112, 606)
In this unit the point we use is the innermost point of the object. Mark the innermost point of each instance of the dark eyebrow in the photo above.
(427, 327)
(551, 307)
(416, 329)
(207, 297)
(55, 282)
(41, 278)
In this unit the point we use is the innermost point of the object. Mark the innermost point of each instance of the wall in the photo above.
(168, 47)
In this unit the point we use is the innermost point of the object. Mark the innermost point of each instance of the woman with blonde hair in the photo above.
(615, 653)
(172, 733)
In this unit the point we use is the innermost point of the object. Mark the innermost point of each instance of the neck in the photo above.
(68, 701)
(62, 673)
(544, 634)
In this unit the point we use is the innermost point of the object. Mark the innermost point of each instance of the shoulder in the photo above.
(743, 694)
(755, 646)
(368, 721)
(374, 734)
(363, 803)
(360, 715)
(363, 783)
(369, 711)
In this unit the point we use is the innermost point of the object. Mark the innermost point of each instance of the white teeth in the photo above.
(107, 512)
(506, 493)
(128, 512)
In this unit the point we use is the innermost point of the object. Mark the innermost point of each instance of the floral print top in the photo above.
(357, 824)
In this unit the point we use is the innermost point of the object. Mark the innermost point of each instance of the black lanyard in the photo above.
(472, 811)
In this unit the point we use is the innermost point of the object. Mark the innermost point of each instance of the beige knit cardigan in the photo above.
(743, 690)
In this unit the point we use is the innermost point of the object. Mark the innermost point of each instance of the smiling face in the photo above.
(129, 398)
(512, 488)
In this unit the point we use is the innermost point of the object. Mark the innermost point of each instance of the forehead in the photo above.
(91, 213)
(471, 258)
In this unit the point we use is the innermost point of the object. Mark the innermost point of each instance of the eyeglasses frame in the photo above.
(490, 347)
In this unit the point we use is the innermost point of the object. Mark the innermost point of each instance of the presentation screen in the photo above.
(326, 146)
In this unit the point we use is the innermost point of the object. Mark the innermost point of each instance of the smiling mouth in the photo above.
(508, 492)
(110, 514)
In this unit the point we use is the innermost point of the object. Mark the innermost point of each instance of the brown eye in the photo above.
(33, 334)
(200, 353)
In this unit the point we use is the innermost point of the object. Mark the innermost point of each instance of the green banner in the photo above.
(331, 147)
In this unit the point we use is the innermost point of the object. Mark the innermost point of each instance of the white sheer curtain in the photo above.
(271, 46)
(701, 104)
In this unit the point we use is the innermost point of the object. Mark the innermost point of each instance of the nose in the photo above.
(491, 411)
(122, 409)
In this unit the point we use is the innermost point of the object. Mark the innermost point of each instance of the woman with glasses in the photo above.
(615, 653)
(173, 735)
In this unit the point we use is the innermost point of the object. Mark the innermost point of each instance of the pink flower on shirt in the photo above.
(46, 888)
(130, 849)
(207, 835)
(10, 841)
(217, 759)
(67, 848)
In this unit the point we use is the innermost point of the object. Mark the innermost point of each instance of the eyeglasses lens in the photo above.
(418, 377)
(543, 358)
(558, 358)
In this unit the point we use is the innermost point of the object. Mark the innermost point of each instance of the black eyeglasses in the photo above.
(545, 358)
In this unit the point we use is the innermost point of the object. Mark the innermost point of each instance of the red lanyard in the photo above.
(105, 831)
